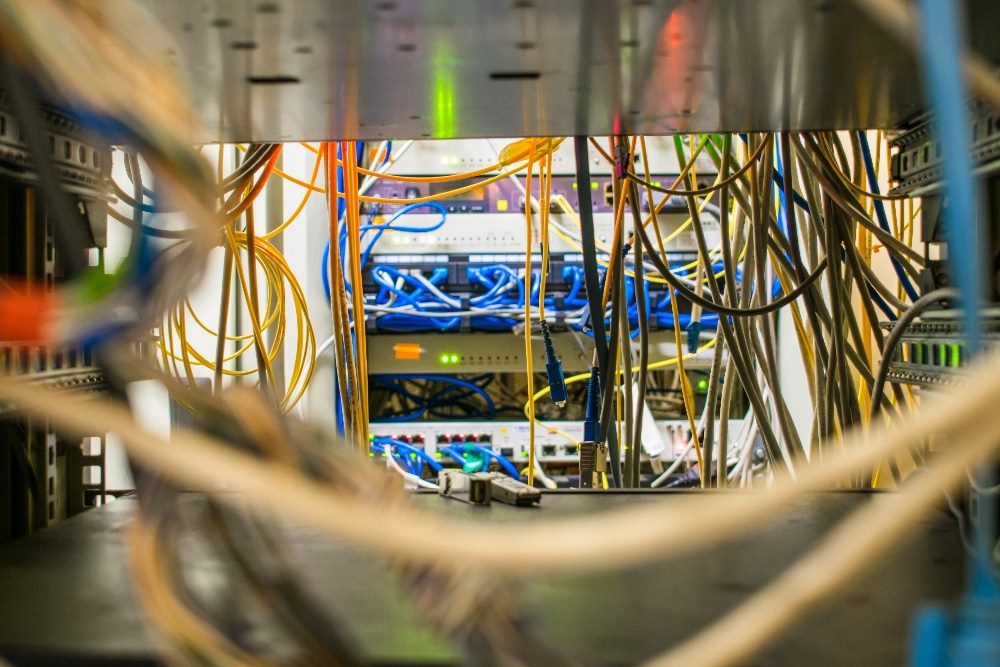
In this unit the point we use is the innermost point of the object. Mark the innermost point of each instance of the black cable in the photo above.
(71, 236)
(133, 161)
(588, 246)
(899, 328)
(608, 390)
(592, 283)
(132, 174)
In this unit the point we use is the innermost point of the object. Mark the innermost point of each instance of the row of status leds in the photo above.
(448, 358)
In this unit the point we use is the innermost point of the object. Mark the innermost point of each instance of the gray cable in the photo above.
(892, 340)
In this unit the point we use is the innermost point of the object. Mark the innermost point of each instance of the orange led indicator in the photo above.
(407, 351)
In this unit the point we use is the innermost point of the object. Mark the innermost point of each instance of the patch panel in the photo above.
(510, 438)
(464, 234)
(505, 196)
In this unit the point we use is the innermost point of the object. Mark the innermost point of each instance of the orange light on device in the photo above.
(27, 317)
(407, 351)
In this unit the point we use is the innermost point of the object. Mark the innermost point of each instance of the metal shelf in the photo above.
(323, 69)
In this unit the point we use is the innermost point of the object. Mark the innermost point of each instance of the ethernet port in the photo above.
(507, 452)
(609, 194)
(548, 450)
(571, 450)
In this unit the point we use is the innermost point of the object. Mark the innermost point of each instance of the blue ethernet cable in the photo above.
(381, 227)
(883, 221)
(416, 451)
(455, 455)
(966, 636)
(456, 382)
(402, 460)
(379, 230)
(504, 462)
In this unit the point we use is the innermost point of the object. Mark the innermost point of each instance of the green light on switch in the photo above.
(453, 359)
(443, 359)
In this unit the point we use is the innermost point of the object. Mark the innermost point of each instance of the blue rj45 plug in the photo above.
(693, 335)
(553, 367)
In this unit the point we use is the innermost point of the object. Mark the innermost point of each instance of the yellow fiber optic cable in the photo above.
(584, 377)
(353, 221)
(302, 203)
(545, 196)
(686, 392)
(527, 320)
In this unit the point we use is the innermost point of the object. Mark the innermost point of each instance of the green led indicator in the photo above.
(955, 352)
(942, 359)
(657, 183)
(437, 455)
(702, 384)
(453, 359)
(444, 359)
(575, 186)
(593, 185)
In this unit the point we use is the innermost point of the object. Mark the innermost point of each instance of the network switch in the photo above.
(555, 442)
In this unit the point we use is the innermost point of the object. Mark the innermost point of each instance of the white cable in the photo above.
(419, 481)
(662, 479)
(433, 289)
(327, 344)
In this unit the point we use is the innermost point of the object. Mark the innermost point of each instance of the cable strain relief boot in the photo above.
(591, 420)
(693, 330)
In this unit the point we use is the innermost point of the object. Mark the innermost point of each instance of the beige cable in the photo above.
(197, 461)
(852, 547)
